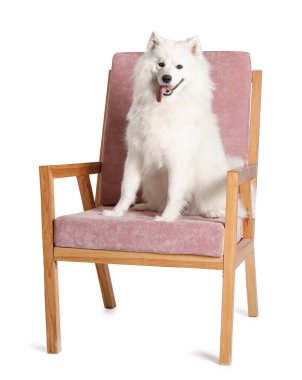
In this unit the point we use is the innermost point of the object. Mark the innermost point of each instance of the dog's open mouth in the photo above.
(165, 91)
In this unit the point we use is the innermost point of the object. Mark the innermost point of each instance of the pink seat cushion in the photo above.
(231, 73)
(138, 232)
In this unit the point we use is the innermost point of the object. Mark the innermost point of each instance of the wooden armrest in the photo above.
(47, 175)
(73, 170)
(245, 173)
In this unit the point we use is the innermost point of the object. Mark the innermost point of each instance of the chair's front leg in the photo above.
(227, 314)
(52, 311)
(228, 288)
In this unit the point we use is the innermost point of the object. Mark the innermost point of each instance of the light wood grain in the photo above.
(243, 248)
(137, 258)
(86, 192)
(73, 170)
(106, 286)
(245, 173)
(251, 285)
(228, 286)
(249, 226)
(50, 267)
(255, 116)
(248, 222)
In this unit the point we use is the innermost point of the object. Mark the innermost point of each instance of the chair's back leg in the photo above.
(250, 272)
(250, 269)
(102, 269)
(50, 268)
(248, 231)
(106, 285)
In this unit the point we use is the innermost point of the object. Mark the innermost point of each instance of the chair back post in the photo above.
(248, 193)
(47, 205)
(255, 117)
(251, 186)
(97, 192)
(230, 240)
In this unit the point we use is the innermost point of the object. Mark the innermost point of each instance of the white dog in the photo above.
(175, 152)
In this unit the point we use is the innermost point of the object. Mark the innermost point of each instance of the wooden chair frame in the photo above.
(238, 180)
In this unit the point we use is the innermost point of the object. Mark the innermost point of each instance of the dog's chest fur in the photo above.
(163, 133)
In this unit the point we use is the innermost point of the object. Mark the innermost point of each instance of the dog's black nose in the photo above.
(166, 78)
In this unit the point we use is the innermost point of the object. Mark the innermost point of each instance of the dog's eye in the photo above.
(161, 64)
(179, 67)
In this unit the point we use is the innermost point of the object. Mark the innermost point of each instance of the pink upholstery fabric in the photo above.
(231, 74)
(138, 232)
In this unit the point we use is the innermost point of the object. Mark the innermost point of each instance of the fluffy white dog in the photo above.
(175, 152)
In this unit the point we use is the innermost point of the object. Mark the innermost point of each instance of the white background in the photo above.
(54, 61)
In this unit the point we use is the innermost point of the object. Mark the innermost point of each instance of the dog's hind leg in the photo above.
(154, 192)
(143, 207)
(176, 194)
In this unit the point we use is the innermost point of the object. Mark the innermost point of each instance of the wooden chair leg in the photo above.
(52, 311)
(227, 314)
(228, 286)
(106, 285)
(250, 272)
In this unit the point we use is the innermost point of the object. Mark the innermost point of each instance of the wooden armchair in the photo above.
(229, 70)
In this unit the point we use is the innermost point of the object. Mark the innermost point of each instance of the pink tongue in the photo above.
(161, 90)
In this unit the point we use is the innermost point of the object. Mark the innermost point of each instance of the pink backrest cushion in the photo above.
(231, 73)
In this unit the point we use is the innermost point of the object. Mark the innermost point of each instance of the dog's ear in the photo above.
(194, 45)
(154, 40)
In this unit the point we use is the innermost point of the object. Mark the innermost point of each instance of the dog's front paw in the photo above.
(112, 212)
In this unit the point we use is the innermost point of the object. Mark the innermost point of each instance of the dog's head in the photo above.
(173, 63)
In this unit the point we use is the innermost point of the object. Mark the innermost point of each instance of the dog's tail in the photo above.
(235, 162)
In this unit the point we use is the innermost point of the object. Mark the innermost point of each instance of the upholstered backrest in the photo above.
(231, 73)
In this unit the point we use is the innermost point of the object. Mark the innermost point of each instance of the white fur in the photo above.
(175, 152)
